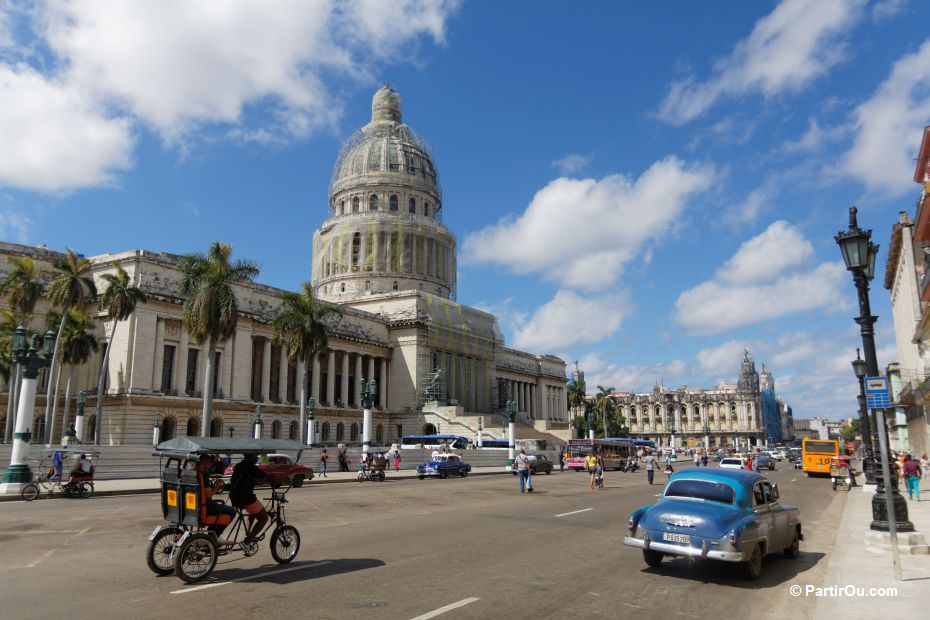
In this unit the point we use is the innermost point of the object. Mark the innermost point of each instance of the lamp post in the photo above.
(512, 418)
(231, 429)
(706, 430)
(156, 428)
(368, 390)
(257, 423)
(868, 460)
(671, 431)
(79, 415)
(18, 474)
(311, 421)
(589, 414)
(859, 254)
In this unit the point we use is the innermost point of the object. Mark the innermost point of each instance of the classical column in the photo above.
(358, 375)
(159, 356)
(315, 379)
(344, 388)
(371, 368)
(282, 377)
(331, 377)
(382, 385)
(179, 381)
(266, 369)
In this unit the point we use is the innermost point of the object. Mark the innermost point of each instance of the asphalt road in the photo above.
(404, 549)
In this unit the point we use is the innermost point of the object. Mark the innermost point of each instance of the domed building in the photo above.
(385, 257)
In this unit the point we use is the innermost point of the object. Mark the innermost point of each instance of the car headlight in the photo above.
(631, 525)
(732, 537)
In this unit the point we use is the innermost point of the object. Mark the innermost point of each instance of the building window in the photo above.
(356, 248)
(342, 207)
(216, 373)
(193, 427)
(324, 432)
(38, 430)
(342, 287)
(353, 432)
(392, 203)
(340, 431)
(412, 205)
(395, 285)
(276, 429)
(379, 435)
(258, 353)
(167, 368)
(191, 383)
(167, 429)
(400, 432)
(216, 427)
(373, 202)
(292, 431)
(426, 209)
(367, 285)
(355, 204)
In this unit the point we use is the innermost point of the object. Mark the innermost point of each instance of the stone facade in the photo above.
(399, 325)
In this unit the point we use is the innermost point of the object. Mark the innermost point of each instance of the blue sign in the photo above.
(877, 395)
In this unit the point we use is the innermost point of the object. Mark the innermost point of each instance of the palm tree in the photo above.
(299, 328)
(604, 403)
(71, 286)
(21, 288)
(78, 343)
(119, 301)
(210, 308)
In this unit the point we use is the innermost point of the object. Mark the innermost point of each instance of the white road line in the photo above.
(565, 514)
(256, 576)
(793, 479)
(442, 610)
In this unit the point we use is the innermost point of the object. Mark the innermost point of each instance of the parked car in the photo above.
(733, 462)
(442, 466)
(731, 516)
(778, 455)
(538, 463)
(280, 469)
(765, 461)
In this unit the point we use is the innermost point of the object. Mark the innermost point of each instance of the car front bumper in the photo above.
(705, 551)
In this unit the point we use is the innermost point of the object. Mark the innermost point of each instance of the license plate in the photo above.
(679, 538)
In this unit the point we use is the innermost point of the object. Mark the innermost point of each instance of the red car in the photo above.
(281, 469)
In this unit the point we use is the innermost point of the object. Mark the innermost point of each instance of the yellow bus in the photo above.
(816, 455)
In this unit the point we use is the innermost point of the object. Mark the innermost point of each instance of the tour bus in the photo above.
(494, 443)
(816, 455)
(613, 451)
(434, 442)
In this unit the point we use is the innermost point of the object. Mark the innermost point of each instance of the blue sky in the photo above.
(648, 188)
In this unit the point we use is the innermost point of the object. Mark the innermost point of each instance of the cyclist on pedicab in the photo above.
(242, 494)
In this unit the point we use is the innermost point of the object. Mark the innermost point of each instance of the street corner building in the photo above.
(384, 256)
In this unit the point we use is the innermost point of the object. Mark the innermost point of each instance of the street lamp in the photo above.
(859, 254)
(257, 423)
(367, 390)
(512, 419)
(18, 474)
(79, 416)
(311, 421)
(868, 461)
(671, 430)
(706, 430)
(156, 428)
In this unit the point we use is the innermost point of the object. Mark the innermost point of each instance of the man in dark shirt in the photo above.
(242, 494)
(912, 477)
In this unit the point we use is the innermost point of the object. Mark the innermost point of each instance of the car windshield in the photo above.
(731, 462)
(701, 489)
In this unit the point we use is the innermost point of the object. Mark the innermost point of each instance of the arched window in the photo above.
(356, 248)
(392, 203)
(429, 429)
(292, 431)
(342, 207)
(355, 204)
(324, 432)
(395, 285)
(353, 432)
(276, 429)
(412, 205)
(342, 287)
(340, 431)
(167, 429)
(373, 202)
(216, 427)
(193, 427)
(367, 285)
(633, 414)
(379, 435)
(426, 209)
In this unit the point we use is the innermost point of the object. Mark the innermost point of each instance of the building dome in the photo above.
(385, 152)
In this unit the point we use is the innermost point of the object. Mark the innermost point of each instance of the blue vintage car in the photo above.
(443, 466)
(720, 514)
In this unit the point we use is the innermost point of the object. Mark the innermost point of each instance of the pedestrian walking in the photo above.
(599, 472)
(396, 459)
(323, 459)
(925, 465)
(669, 459)
(561, 461)
(343, 460)
(704, 459)
(697, 459)
(650, 461)
(523, 469)
(912, 476)
(590, 465)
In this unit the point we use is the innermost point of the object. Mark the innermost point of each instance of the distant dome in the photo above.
(386, 152)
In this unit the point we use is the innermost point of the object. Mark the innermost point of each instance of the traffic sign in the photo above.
(877, 395)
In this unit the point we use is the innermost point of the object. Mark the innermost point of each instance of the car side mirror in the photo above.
(774, 491)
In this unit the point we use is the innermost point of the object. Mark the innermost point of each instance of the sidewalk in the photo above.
(137, 486)
(853, 563)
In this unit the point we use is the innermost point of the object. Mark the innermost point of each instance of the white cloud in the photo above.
(762, 281)
(569, 319)
(629, 378)
(572, 164)
(757, 202)
(888, 126)
(581, 232)
(887, 8)
(182, 67)
(54, 137)
(722, 360)
(815, 137)
(796, 43)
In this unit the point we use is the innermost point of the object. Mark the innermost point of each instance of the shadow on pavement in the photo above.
(296, 571)
(776, 570)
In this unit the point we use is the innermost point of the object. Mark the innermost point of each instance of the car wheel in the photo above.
(298, 481)
(652, 558)
(794, 549)
(420, 477)
(443, 473)
(548, 471)
(754, 565)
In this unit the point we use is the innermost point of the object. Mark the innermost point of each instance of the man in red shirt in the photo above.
(912, 477)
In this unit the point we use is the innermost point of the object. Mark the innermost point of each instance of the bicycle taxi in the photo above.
(187, 544)
(372, 468)
(60, 471)
(841, 472)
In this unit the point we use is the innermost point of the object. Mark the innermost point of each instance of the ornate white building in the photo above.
(386, 258)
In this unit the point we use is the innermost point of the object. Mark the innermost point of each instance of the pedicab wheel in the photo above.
(30, 492)
(285, 543)
(652, 558)
(834, 485)
(87, 489)
(73, 490)
(196, 558)
(381, 476)
(361, 476)
(754, 565)
(298, 481)
(160, 554)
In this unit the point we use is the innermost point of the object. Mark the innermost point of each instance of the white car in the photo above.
(778, 455)
(732, 462)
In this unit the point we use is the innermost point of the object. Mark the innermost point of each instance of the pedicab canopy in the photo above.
(189, 446)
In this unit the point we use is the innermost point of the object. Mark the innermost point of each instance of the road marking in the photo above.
(38, 560)
(793, 479)
(442, 610)
(565, 514)
(256, 576)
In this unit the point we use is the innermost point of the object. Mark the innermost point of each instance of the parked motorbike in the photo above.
(630, 466)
